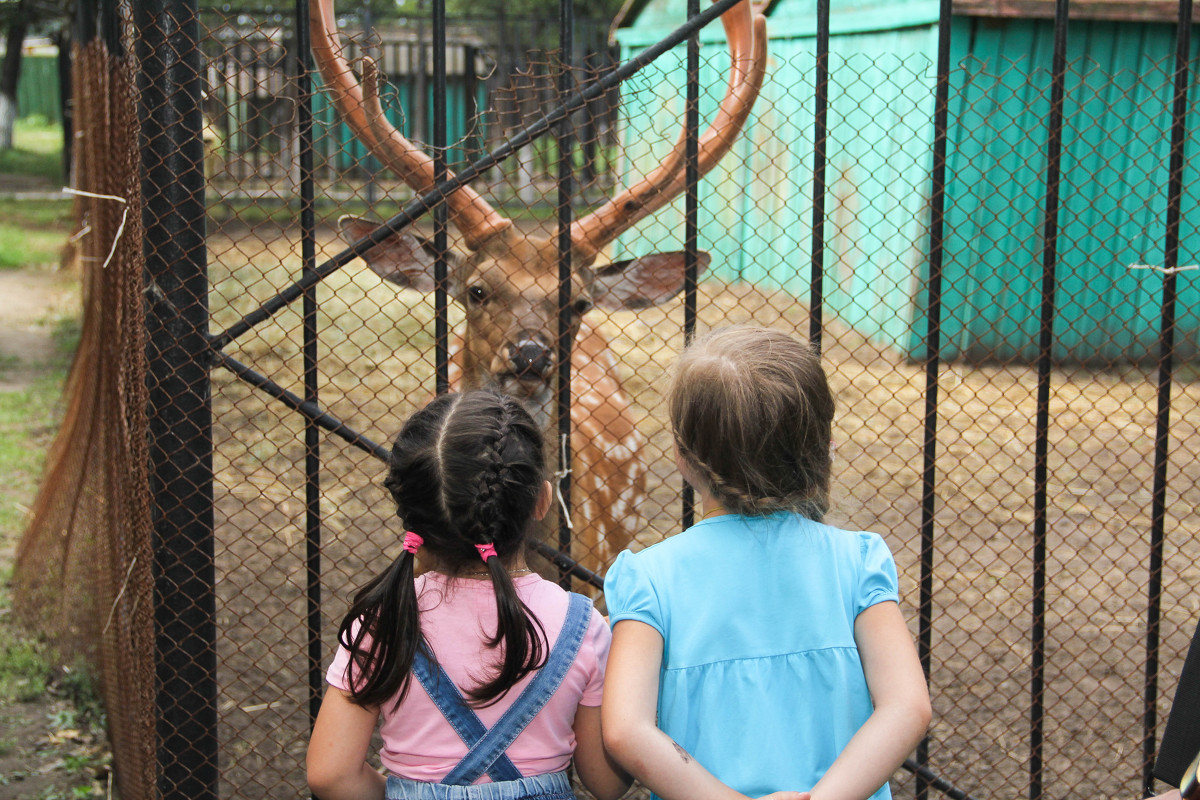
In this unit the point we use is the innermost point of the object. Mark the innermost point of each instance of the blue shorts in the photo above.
(551, 786)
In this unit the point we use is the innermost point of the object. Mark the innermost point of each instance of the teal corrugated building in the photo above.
(757, 204)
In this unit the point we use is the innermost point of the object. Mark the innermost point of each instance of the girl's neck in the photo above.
(515, 566)
(710, 506)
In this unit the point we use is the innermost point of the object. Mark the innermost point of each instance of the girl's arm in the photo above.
(602, 776)
(337, 751)
(631, 734)
(901, 700)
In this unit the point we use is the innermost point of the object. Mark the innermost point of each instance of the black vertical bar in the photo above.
(312, 433)
(179, 407)
(820, 132)
(691, 248)
(1166, 353)
(566, 45)
(86, 19)
(589, 143)
(1037, 682)
(420, 95)
(933, 346)
(471, 111)
(66, 103)
(110, 26)
(440, 234)
(370, 162)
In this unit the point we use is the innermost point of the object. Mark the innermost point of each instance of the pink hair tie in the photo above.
(486, 551)
(412, 541)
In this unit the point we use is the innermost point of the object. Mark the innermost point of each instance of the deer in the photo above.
(508, 284)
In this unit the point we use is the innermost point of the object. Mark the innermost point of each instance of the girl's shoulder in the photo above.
(548, 601)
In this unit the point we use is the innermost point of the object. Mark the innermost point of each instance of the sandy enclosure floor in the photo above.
(376, 357)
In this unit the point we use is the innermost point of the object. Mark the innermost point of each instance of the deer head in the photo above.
(508, 282)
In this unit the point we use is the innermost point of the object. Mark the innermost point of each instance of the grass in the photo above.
(33, 232)
(36, 151)
(28, 418)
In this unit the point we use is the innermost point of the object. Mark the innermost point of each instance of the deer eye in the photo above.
(582, 306)
(478, 294)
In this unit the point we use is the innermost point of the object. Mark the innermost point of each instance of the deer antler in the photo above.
(746, 30)
(471, 214)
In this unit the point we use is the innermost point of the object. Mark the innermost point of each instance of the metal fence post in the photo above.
(180, 411)
(1166, 356)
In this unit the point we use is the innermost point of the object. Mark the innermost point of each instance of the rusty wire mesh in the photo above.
(376, 365)
(83, 567)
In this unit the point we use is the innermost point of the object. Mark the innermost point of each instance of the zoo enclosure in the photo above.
(1028, 501)
(496, 76)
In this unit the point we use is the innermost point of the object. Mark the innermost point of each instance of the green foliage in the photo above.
(44, 17)
(79, 686)
(24, 669)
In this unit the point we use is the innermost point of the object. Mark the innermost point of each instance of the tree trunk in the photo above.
(10, 73)
(66, 104)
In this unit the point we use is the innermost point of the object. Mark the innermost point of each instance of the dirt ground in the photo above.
(39, 738)
(376, 364)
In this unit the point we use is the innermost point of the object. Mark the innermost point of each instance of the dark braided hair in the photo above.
(752, 414)
(467, 469)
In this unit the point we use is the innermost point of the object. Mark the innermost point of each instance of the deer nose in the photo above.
(530, 358)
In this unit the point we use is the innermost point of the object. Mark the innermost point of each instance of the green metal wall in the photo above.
(756, 206)
(1113, 198)
(37, 88)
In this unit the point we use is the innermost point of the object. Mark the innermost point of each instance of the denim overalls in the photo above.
(486, 748)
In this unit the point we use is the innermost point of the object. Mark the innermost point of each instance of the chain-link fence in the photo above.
(977, 219)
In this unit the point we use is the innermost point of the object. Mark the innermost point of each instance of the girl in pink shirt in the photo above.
(484, 679)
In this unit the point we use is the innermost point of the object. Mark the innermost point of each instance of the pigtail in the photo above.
(382, 632)
(519, 634)
(464, 472)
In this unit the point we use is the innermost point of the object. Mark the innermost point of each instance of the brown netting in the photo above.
(83, 566)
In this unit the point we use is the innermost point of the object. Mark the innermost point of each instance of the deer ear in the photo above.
(404, 259)
(641, 282)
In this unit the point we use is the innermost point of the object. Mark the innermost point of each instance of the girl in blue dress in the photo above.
(760, 650)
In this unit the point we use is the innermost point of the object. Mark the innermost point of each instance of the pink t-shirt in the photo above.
(456, 618)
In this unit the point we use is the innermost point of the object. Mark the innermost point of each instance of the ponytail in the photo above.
(382, 632)
(518, 632)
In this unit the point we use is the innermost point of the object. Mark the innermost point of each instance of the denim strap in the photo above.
(490, 748)
(462, 718)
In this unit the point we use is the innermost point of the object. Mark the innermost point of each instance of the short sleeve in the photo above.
(597, 641)
(629, 593)
(337, 675)
(340, 673)
(878, 581)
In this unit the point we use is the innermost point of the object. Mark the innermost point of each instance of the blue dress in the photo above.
(761, 679)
